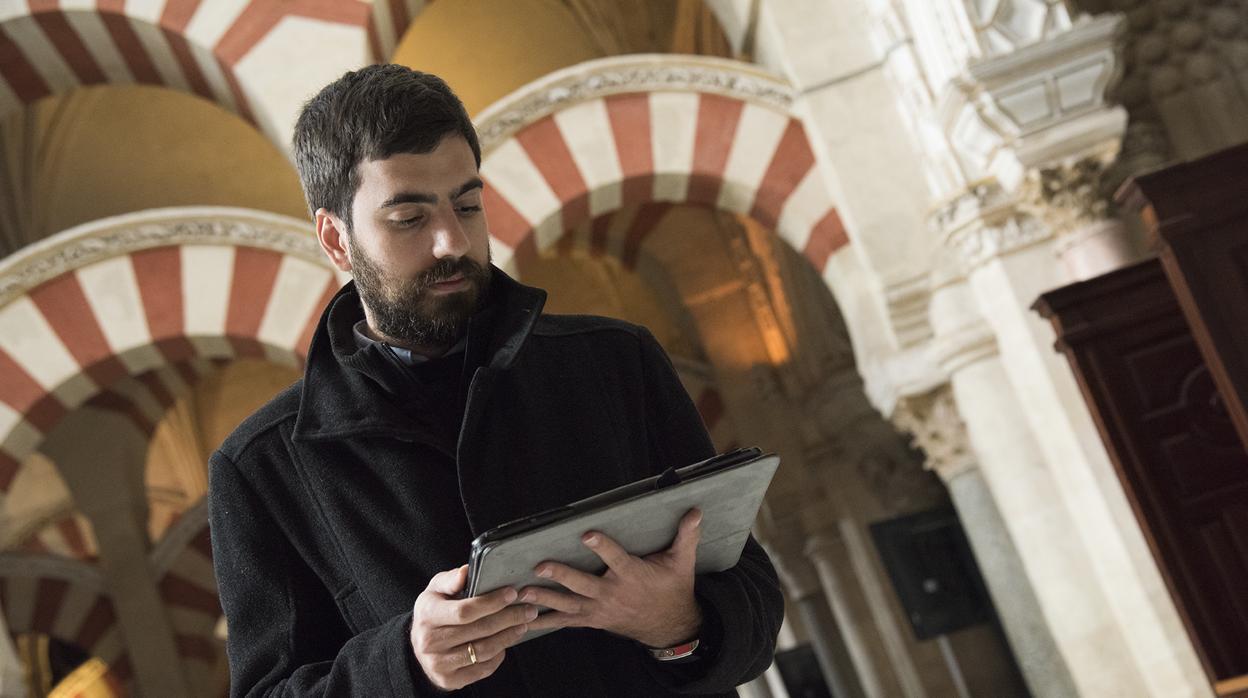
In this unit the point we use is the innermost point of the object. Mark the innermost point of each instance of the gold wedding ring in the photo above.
(472, 654)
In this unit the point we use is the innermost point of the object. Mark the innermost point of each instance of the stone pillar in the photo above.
(802, 587)
(831, 561)
(102, 476)
(938, 429)
(829, 645)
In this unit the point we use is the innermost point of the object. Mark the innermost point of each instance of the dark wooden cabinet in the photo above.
(1197, 214)
(1170, 437)
(1160, 350)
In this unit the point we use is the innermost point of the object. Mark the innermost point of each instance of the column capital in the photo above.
(937, 428)
(985, 221)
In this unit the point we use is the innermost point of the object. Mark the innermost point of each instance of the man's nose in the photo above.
(449, 238)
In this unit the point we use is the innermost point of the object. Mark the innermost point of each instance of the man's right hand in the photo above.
(449, 633)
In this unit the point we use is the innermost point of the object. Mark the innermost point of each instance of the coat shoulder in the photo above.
(283, 407)
(569, 325)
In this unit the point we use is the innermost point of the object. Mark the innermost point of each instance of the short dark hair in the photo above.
(371, 114)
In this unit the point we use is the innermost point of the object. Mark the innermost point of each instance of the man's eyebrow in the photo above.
(409, 197)
(474, 183)
(420, 197)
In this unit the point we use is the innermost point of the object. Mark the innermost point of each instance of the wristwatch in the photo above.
(684, 652)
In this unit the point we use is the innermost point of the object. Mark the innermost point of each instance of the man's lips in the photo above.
(451, 283)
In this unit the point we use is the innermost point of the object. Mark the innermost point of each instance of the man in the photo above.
(437, 403)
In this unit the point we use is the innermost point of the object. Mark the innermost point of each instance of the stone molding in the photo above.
(964, 346)
(120, 235)
(624, 74)
(936, 427)
(907, 301)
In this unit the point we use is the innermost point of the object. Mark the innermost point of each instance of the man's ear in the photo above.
(332, 233)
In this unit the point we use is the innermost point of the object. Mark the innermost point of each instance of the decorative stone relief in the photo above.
(122, 235)
(932, 419)
(624, 74)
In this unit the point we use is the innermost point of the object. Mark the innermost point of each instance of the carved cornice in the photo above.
(111, 237)
(937, 428)
(624, 74)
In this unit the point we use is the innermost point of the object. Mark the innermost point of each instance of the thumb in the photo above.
(449, 582)
(685, 547)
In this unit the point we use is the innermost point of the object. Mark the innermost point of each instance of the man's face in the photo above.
(419, 244)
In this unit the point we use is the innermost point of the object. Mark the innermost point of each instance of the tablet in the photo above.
(642, 517)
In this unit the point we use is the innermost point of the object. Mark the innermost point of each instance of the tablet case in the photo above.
(642, 517)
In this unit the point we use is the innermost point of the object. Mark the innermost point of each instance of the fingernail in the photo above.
(509, 595)
(591, 539)
(526, 596)
(543, 572)
(531, 613)
(697, 520)
(521, 630)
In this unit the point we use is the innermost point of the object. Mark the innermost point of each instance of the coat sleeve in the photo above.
(742, 607)
(286, 635)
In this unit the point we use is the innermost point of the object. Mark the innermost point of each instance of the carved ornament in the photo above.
(111, 237)
(625, 74)
(932, 419)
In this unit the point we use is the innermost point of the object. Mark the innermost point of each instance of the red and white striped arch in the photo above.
(64, 599)
(124, 296)
(236, 53)
(585, 141)
(65, 533)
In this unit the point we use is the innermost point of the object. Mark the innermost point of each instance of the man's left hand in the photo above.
(648, 599)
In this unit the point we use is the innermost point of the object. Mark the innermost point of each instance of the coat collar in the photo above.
(349, 390)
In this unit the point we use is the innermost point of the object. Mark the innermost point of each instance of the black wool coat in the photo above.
(333, 505)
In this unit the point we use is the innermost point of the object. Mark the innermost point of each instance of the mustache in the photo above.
(445, 268)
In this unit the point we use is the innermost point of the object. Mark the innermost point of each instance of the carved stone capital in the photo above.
(985, 221)
(1070, 195)
(937, 428)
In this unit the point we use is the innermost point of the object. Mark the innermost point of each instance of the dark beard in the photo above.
(409, 312)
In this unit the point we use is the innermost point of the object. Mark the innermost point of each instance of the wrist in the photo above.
(678, 630)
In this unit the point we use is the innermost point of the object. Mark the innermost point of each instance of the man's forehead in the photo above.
(437, 172)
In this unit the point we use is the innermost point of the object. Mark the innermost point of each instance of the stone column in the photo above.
(102, 476)
(802, 587)
(938, 429)
(830, 559)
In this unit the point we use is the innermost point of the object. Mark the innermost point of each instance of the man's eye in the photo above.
(408, 222)
(466, 210)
